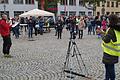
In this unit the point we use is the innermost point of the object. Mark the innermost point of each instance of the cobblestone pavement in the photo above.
(43, 58)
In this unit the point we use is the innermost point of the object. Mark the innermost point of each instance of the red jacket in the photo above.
(4, 28)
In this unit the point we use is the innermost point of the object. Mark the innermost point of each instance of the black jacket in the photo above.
(59, 25)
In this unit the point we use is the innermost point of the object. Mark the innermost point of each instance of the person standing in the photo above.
(77, 23)
(93, 26)
(34, 24)
(25, 21)
(104, 24)
(5, 33)
(111, 46)
(16, 28)
(81, 27)
(59, 28)
(72, 27)
(97, 22)
(30, 27)
(41, 24)
(89, 26)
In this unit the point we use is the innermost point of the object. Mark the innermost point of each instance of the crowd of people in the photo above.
(106, 27)
(29, 25)
(74, 24)
(77, 25)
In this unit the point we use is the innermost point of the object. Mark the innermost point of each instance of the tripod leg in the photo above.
(65, 65)
(77, 58)
(68, 55)
(67, 58)
(82, 60)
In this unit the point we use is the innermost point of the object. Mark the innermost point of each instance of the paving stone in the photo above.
(43, 59)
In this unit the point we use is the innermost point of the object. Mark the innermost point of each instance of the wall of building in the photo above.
(77, 9)
(11, 7)
(111, 10)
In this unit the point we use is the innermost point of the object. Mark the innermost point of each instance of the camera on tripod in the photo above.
(72, 69)
(74, 34)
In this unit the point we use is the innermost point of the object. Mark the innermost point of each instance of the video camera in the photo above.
(74, 34)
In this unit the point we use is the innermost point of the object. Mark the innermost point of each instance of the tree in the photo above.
(51, 5)
(48, 4)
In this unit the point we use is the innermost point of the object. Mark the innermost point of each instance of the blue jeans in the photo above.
(30, 32)
(17, 33)
(93, 28)
(110, 72)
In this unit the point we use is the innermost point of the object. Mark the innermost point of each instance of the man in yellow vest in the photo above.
(111, 46)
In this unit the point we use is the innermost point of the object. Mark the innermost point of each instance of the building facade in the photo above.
(16, 7)
(108, 7)
(73, 7)
(51, 6)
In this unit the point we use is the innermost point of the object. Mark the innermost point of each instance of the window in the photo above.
(107, 13)
(98, 4)
(112, 12)
(81, 13)
(6, 12)
(3, 1)
(89, 13)
(117, 4)
(117, 13)
(29, 1)
(72, 2)
(81, 2)
(72, 13)
(98, 13)
(63, 2)
(18, 1)
(108, 4)
(112, 4)
(17, 13)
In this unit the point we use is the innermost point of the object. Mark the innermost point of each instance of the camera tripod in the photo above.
(72, 52)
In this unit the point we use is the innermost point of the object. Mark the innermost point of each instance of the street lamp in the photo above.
(4, 8)
(65, 7)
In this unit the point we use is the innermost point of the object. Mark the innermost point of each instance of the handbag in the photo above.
(37, 26)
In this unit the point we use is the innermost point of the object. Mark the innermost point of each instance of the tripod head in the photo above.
(74, 34)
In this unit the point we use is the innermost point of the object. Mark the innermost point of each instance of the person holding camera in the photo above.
(111, 46)
(72, 26)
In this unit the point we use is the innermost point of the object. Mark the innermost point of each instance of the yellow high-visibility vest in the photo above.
(112, 48)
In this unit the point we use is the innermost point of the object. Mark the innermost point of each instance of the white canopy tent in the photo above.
(36, 13)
